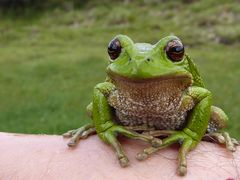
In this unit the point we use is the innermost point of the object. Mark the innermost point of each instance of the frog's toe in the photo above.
(235, 142)
(231, 143)
(109, 136)
(187, 144)
(222, 138)
(80, 133)
(231, 148)
(141, 156)
(72, 143)
(156, 142)
(182, 170)
(124, 162)
(147, 152)
(69, 134)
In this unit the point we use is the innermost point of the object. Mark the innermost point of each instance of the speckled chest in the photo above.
(155, 104)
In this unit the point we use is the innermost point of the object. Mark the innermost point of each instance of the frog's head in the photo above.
(142, 62)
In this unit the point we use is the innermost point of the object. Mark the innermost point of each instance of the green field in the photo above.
(51, 60)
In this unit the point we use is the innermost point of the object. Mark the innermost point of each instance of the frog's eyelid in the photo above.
(126, 48)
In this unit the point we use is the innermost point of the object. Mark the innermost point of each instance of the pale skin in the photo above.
(48, 157)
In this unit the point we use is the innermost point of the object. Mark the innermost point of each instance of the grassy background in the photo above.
(51, 60)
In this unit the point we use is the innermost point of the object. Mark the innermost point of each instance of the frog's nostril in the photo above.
(129, 59)
(148, 59)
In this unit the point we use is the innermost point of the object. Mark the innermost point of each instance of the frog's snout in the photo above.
(138, 65)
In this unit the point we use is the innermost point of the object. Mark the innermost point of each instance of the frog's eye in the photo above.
(175, 50)
(114, 49)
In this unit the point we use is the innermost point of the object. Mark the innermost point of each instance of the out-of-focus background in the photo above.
(53, 52)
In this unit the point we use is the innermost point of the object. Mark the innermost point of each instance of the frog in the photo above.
(153, 93)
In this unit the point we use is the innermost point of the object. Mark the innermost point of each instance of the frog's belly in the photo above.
(160, 112)
(161, 122)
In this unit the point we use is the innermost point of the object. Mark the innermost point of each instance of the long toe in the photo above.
(231, 148)
(68, 134)
(72, 143)
(182, 170)
(156, 142)
(124, 162)
(235, 142)
(142, 156)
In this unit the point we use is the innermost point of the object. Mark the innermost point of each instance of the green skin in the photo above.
(102, 113)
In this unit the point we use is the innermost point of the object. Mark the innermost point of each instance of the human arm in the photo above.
(48, 157)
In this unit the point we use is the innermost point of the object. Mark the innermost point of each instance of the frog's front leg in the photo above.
(107, 130)
(192, 134)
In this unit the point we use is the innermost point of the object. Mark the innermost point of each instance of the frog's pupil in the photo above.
(178, 48)
(114, 49)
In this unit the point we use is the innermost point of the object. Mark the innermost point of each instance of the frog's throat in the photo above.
(183, 79)
(152, 89)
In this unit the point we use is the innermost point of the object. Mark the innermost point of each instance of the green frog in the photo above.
(153, 93)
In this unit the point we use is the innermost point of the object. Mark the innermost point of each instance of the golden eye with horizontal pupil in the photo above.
(114, 49)
(175, 50)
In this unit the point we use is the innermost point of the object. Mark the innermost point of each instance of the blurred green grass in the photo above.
(50, 61)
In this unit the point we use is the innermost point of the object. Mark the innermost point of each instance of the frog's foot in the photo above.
(80, 133)
(187, 144)
(222, 138)
(110, 134)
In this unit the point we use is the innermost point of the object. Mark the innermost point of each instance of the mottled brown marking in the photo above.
(153, 102)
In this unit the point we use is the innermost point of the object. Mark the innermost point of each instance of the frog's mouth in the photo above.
(187, 78)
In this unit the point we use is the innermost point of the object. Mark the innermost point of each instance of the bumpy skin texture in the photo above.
(148, 95)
